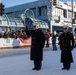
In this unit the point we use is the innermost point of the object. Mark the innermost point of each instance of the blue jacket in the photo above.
(54, 39)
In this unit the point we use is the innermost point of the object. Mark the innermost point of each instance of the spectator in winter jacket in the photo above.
(47, 36)
(54, 41)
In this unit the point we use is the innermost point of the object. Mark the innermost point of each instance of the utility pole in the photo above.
(49, 10)
(72, 16)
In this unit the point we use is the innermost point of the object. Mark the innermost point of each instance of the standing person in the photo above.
(54, 41)
(66, 45)
(37, 44)
(47, 36)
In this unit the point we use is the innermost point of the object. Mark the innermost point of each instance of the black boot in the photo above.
(33, 68)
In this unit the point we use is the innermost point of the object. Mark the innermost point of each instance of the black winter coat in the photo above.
(66, 46)
(37, 44)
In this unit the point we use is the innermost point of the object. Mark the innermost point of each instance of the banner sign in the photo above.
(11, 42)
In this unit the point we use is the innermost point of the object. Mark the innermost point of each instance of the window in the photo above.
(58, 11)
(65, 13)
(39, 11)
(42, 11)
(75, 15)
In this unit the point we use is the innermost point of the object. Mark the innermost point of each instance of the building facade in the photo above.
(61, 13)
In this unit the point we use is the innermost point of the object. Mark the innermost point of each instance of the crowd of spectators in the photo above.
(12, 34)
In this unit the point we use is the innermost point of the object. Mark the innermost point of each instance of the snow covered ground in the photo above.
(22, 65)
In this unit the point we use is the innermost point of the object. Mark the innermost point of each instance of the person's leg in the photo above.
(34, 65)
(64, 66)
(55, 46)
(47, 43)
(41, 65)
(68, 66)
(38, 65)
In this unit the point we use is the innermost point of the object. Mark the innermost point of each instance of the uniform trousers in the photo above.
(66, 65)
(37, 64)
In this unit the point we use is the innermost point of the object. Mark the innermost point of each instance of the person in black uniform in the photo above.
(66, 43)
(37, 44)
